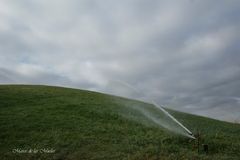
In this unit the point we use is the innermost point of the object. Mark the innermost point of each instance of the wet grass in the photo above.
(79, 124)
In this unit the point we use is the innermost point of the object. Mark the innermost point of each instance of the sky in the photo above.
(182, 54)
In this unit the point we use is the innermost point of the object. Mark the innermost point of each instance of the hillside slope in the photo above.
(78, 124)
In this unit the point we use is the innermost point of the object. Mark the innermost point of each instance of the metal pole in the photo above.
(198, 139)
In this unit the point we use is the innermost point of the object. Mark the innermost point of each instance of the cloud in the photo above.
(184, 54)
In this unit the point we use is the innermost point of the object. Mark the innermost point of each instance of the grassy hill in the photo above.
(78, 124)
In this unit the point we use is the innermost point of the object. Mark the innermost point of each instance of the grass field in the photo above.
(78, 124)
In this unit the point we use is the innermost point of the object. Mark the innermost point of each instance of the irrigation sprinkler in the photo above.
(199, 139)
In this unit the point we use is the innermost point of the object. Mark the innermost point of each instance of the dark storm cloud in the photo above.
(184, 54)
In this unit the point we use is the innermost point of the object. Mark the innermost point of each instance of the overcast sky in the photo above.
(182, 53)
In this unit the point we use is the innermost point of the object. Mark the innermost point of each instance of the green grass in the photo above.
(80, 124)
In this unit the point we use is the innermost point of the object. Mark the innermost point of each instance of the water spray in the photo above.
(160, 107)
(190, 134)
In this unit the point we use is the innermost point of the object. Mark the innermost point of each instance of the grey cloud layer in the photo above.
(182, 53)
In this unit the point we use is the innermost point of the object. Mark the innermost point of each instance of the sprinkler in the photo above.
(191, 135)
(198, 141)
